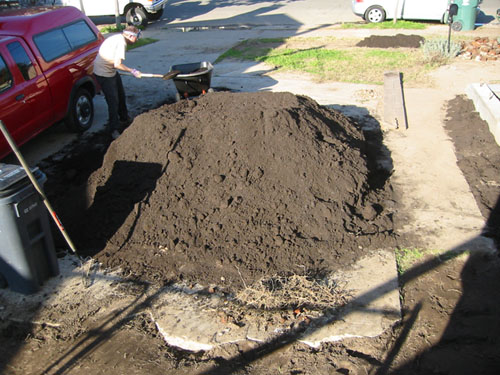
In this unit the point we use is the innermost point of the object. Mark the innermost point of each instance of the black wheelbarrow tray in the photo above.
(193, 79)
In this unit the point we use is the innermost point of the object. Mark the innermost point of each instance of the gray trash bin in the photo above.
(27, 255)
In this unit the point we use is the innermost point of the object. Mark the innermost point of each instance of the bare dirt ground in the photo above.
(199, 167)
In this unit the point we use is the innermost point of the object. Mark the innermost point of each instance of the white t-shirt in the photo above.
(111, 52)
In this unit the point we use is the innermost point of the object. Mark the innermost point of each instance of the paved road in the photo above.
(490, 6)
(292, 13)
(489, 9)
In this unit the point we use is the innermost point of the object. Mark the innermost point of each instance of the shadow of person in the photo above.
(492, 228)
(469, 344)
(470, 341)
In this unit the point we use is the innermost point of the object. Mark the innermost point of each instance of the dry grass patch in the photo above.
(294, 292)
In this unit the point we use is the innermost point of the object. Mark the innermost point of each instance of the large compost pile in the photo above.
(230, 188)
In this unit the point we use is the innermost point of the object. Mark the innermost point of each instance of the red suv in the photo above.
(46, 60)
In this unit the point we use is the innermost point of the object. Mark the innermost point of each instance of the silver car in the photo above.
(380, 10)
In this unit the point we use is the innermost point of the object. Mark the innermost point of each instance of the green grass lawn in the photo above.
(409, 25)
(355, 65)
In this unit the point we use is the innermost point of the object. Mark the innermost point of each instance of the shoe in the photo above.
(115, 134)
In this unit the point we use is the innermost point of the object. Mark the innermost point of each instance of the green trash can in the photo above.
(466, 17)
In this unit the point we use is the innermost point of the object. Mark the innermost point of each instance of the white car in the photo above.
(380, 10)
(137, 12)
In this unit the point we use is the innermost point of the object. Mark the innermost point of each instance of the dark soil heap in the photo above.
(392, 41)
(478, 157)
(229, 188)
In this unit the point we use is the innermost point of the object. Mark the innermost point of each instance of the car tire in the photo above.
(81, 112)
(3, 282)
(375, 14)
(136, 16)
(156, 15)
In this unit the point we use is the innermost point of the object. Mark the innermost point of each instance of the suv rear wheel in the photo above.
(137, 16)
(81, 112)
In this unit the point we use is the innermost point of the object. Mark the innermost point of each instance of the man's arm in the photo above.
(122, 66)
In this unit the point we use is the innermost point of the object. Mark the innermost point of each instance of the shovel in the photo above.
(166, 76)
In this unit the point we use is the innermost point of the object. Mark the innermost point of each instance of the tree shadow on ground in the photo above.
(188, 10)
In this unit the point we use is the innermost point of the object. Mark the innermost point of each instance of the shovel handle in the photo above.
(144, 75)
(151, 75)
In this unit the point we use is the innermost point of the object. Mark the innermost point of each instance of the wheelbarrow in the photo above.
(193, 79)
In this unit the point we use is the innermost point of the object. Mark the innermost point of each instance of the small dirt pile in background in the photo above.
(229, 188)
(392, 41)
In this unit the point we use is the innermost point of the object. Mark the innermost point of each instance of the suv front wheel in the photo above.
(81, 112)
(156, 15)
(136, 16)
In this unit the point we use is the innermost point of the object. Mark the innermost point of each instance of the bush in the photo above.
(437, 52)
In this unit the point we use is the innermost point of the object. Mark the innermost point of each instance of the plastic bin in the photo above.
(27, 255)
(466, 16)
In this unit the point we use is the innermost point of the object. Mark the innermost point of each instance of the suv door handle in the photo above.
(20, 97)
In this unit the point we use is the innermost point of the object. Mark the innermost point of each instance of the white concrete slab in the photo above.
(192, 320)
(373, 284)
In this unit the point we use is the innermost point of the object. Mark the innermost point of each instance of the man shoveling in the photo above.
(108, 61)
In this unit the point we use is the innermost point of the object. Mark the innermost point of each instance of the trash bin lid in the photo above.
(10, 175)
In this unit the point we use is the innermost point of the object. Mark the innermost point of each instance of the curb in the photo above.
(487, 104)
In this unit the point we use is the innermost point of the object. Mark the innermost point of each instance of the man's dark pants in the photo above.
(112, 87)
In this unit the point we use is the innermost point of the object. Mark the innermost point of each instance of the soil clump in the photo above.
(231, 188)
(392, 41)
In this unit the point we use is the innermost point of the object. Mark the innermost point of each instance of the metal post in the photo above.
(396, 12)
(82, 7)
(117, 15)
